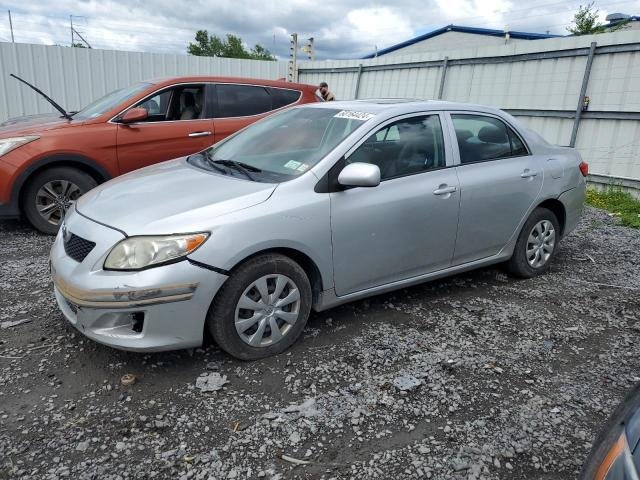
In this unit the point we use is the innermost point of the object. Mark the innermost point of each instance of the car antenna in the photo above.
(55, 105)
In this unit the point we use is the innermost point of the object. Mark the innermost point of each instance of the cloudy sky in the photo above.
(342, 29)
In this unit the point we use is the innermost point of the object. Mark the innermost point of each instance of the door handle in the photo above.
(200, 134)
(528, 173)
(444, 190)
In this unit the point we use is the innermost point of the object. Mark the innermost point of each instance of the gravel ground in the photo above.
(476, 376)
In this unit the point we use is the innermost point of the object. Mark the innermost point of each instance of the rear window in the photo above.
(281, 97)
(241, 100)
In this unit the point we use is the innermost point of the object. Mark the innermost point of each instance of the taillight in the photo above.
(584, 168)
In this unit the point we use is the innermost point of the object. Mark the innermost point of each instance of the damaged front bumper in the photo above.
(162, 308)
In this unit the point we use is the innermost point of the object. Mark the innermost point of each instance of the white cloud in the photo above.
(341, 28)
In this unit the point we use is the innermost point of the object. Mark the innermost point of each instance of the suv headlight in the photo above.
(8, 144)
(137, 253)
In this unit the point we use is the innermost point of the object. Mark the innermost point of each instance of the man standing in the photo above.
(327, 96)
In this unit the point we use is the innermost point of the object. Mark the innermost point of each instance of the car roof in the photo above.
(400, 106)
(162, 81)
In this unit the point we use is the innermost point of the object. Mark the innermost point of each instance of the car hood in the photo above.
(169, 197)
(33, 124)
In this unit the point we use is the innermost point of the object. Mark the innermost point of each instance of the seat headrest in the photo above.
(491, 134)
(464, 135)
(189, 99)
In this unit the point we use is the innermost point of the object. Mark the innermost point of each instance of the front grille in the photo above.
(78, 248)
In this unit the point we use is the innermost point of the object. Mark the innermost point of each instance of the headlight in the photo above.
(8, 144)
(136, 253)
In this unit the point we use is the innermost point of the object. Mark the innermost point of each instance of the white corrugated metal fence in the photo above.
(538, 81)
(74, 77)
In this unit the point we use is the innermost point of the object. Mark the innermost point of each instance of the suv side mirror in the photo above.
(359, 175)
(134, 115)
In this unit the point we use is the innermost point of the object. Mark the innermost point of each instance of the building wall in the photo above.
(74, 77)
(453, 40)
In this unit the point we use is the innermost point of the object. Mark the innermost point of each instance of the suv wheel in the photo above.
(536, 246)
(262, 308)
(50, 193)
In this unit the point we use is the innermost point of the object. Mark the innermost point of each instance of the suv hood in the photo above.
(169, 197)
(33, 124)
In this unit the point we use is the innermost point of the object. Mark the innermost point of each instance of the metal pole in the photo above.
(583, 91)
(82, 38)
(11, 27)
(71, 24)
(357, 90)
(442, 77)
(293, 55)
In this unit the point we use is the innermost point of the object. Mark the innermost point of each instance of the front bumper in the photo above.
(162, 308)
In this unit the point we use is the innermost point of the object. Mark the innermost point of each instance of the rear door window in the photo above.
(241, 100)
(481, 138)
(281, 97)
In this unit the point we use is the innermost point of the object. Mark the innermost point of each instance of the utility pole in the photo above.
(75, 32)
(293, 55)
(11, 27)
(82, 38)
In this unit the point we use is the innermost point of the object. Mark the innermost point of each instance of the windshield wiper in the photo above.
(47, 98)
(211, 162)
(239, 166)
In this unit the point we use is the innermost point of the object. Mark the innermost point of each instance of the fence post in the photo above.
(357, 89)
(583, 91)
(442, 77)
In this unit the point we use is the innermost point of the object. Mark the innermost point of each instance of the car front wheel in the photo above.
(262, 308)
(536, 245)
(50, 193)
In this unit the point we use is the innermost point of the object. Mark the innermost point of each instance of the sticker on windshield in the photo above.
(302, 167)
(352, 115)
(292, 164)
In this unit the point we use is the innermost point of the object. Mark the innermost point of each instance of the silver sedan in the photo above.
(308, 209)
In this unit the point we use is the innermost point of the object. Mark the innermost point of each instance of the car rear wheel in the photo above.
(50, 193)
(536, 245)
(262, 308)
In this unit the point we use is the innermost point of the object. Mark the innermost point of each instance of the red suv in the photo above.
(48, 162)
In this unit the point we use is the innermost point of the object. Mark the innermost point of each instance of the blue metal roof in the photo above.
(458, 28)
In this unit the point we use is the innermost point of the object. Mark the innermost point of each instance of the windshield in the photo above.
(281, 146)
(110, 101)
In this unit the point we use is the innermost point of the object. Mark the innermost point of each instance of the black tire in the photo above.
(82, 180)
(518, 264)
(221, 316)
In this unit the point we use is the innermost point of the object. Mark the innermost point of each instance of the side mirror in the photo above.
(134, 115)
(359, 175)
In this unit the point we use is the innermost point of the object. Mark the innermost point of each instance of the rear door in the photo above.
(239, 105)
(179, 123)
(499, 181)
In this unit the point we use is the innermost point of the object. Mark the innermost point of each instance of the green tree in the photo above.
(212, 46)
(585, 22)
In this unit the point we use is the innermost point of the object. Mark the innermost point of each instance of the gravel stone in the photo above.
(478, 376)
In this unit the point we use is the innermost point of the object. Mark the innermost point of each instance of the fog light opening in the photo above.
(137, 321)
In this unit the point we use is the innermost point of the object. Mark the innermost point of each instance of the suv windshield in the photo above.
(281, 146)
(110, 101)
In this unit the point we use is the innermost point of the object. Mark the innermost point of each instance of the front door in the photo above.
(178, 124)
(406, 226)
(499, 181)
